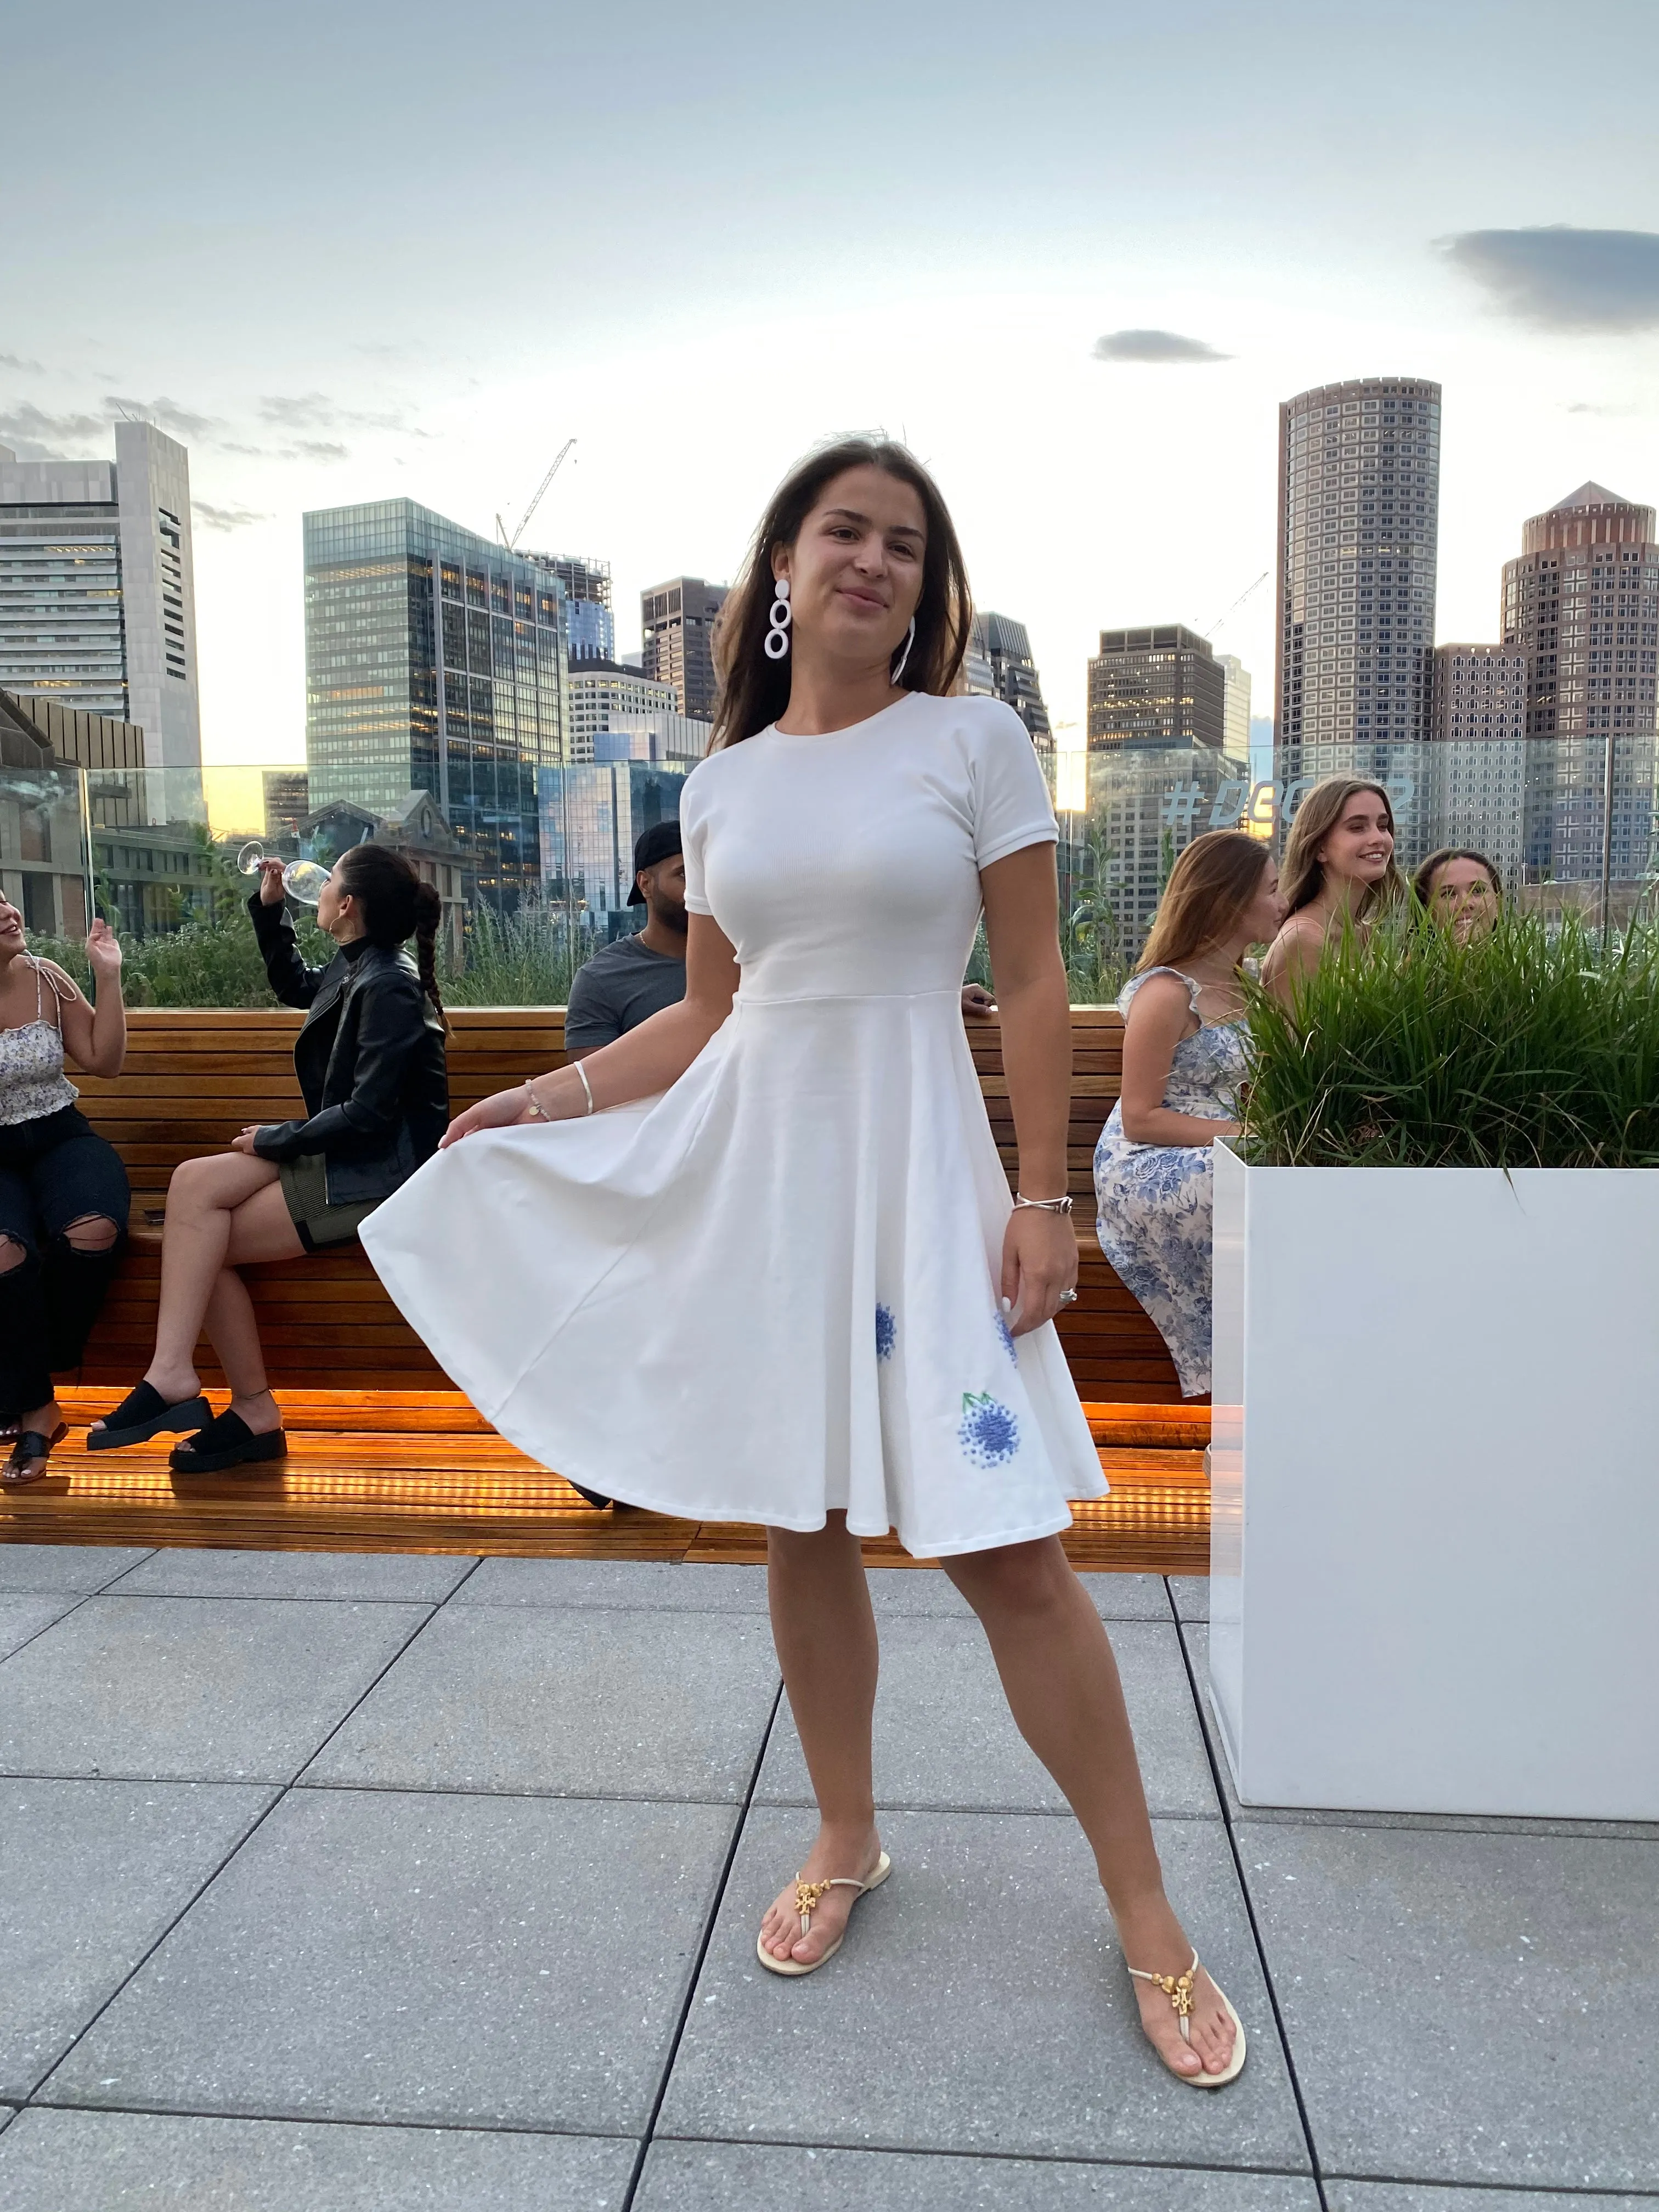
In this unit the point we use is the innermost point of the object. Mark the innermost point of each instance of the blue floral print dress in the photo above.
(1155, 1202)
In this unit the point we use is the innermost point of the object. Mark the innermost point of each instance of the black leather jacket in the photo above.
(370, 1061)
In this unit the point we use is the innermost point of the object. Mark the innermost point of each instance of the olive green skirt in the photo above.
(305, 1187)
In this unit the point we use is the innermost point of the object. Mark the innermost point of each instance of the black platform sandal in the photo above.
(31, 1457)
(144, 1413)
(226, 1442)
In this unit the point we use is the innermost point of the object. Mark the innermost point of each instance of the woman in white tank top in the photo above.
(63, 1189)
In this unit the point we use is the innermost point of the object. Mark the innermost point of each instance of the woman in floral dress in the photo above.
(1185, 1055)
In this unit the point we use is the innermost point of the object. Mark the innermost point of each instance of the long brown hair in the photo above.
(396, 905)
(1302, 876)
(754, 691)
(1211, 885)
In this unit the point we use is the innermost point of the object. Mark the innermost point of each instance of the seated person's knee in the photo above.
(92, 1234)
(12, 1254)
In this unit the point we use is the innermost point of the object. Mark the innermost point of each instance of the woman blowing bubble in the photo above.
(763, 1265)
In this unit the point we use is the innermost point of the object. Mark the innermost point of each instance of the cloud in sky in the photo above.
(1154, 346)
(225, 518)
(23, 367)
(1558, 278)
(166, 414)
(34, 436)
(315, 411)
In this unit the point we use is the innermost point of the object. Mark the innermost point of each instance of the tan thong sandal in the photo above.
(1178, 1988)
(808, 1896)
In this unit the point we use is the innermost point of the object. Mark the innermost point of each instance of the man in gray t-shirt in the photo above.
(637, 976)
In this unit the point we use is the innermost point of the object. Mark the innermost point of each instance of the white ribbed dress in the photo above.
(772, 1290)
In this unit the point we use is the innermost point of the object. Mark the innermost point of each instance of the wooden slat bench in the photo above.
(194, 1078)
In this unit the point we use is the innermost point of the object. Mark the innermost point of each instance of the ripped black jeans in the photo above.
(54, 1171)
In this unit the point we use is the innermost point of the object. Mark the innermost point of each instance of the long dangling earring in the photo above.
(910, 641)
(778, 622)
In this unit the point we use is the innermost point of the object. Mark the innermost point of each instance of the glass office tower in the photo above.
(387, 585)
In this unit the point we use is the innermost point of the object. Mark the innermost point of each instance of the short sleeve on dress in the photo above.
(694, 827)
(1011, 807)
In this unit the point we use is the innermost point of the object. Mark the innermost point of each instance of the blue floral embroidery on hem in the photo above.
(886, 1331)
(1006, 1334)
(990, 1432)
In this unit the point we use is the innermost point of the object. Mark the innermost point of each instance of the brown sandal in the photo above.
(31, 1457)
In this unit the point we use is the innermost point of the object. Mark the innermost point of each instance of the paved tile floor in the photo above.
(352, 1884)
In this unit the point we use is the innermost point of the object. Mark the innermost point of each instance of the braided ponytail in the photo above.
(428, 917)
(396, 906)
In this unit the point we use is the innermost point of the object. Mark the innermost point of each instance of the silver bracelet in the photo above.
(1044, 1204)
(587, 1085)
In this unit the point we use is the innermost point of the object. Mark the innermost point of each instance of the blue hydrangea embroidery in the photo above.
(886, 1331)
(989, 1433)
(1007, 1337)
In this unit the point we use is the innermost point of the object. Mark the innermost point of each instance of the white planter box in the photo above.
(1435, 1487)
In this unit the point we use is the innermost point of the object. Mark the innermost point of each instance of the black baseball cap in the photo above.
(659, 843)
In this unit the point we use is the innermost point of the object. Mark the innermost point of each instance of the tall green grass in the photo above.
(204, 963)
(526, 958)
(1529, 1046)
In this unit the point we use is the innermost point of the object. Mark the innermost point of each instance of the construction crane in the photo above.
(1220, 618)
(524, 523)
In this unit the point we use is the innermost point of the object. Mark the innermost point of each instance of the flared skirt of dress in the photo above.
(768, 1293)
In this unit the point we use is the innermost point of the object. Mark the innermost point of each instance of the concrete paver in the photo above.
(944, 1735)
(682, 2177)
(24, 1614)
(1467, 2007)
(110, 2162)
(380, 1956)
(95, 1873)
(80, 1567)
(196, 1689)
(572, 1701)
(978, 2004)
(417, 1577)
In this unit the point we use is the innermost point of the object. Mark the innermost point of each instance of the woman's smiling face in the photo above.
(1360, 846)
(855, 568)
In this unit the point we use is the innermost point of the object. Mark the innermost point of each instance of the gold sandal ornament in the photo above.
(809, 1895)
(1178, 1988)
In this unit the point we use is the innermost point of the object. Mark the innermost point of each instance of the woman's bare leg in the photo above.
(824, 1628)
(203, 1201)
(1061, 1682)
(261, 1228)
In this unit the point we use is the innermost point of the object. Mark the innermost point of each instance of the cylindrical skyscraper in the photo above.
(1358, 510)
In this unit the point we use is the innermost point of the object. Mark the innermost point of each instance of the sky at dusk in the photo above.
(360, 252)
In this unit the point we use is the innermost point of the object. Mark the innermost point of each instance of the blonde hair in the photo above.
(1210, 887)
(1302, 876)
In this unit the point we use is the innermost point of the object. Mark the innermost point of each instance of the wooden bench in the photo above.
(194, 1078)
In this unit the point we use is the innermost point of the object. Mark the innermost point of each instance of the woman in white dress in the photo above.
(770, 1225)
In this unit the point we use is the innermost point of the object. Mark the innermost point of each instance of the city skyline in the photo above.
(1088, 341)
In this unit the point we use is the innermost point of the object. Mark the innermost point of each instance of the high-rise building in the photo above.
(1358, 512)
(97, 588)
(1583, 603)
(602, 690)
(590, 814)
(286, 795)
(678, 619)
(591, 625)
(1235, 706)
(998, 664)
(1472, 788)
(388, 585)
(1156, 687)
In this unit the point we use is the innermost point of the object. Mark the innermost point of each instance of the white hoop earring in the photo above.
(910, 639)
(778, 622)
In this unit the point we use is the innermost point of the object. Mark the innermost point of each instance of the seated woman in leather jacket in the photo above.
(371, 1065)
